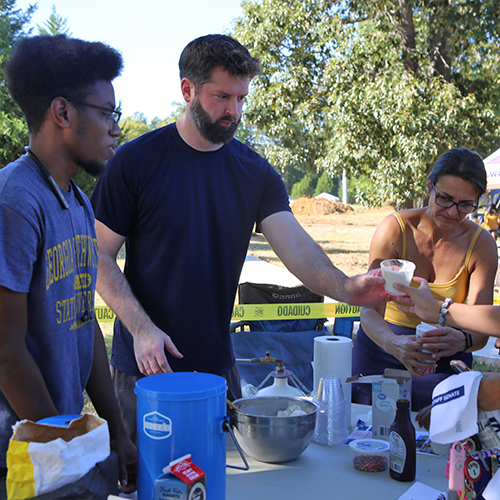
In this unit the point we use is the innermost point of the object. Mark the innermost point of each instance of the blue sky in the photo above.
(150, 34)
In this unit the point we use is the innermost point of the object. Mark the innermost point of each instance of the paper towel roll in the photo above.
(333, 356)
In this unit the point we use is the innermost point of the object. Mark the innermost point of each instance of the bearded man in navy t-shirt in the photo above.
(184, 199)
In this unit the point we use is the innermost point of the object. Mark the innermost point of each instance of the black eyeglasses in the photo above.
(444, 202)
(113, 113)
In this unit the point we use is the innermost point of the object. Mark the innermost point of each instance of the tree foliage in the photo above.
(378, 87)
(325, 185)
(305, 187)
(54, 25)
(134, 126)
(13, 130)
(287, 101)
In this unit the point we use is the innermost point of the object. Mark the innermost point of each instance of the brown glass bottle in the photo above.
(403, 454)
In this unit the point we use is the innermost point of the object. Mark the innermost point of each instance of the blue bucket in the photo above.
(177, 414)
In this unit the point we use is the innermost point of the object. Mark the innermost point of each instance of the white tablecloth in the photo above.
(323, 472)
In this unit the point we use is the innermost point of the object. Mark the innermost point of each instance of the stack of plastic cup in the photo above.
(421, 328)
(331, 425)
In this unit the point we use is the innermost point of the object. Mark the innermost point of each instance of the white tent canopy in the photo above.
(492, 164)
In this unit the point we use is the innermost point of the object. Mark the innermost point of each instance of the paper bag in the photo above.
(42, 458)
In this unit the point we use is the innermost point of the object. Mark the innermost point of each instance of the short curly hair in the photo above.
(202, 55)
(42, 68)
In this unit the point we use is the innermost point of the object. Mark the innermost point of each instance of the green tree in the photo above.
(13, 130)
(325, 184)
(133, 127)
(138, 124)
(378, 87)
(286, 102)
(55, 25)
(304, 187)
(179, 109)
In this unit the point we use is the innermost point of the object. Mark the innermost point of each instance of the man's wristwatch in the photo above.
(444, 311)
(468, 341)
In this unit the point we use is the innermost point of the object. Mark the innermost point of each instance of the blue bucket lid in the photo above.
(61, 420)
(181, 386)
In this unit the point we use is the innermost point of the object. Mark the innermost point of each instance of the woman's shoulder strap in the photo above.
(471, 246)
(403, 230)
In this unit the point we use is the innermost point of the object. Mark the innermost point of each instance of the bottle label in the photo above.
(398, 452)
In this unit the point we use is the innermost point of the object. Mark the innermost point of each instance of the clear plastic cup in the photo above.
(397, 271)
(331, 427)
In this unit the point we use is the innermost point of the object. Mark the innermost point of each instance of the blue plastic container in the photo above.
(177, 414)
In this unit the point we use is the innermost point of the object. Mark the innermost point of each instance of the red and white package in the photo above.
(186, 470)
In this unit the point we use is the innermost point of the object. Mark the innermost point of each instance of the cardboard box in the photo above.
(183, 481)
(169, 487)
(386, 390)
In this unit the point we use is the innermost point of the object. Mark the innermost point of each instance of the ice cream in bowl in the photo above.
(397, 271)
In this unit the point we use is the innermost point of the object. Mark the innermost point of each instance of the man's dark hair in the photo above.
(463, 163)
(201, 56)
(42, 68)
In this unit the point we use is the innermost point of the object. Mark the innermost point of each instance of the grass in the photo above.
(482, 366)
(107, 333)
(345, 238)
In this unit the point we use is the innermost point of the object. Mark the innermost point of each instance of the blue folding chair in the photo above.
(291, 341)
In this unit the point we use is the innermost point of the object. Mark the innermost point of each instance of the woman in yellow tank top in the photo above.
(456, 256)
(491, 219)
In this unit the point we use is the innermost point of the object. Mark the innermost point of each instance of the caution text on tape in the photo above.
(104, 314)
(253, 312)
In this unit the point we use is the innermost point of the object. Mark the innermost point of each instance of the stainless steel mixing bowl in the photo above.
(268, 438)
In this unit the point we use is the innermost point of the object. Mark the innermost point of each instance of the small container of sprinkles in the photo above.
(370, 455)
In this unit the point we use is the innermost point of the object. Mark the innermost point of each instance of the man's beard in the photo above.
(211, 131)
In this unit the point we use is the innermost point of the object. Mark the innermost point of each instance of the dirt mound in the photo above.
(313, 206)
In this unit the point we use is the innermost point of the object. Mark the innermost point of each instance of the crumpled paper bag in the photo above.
(42, 458)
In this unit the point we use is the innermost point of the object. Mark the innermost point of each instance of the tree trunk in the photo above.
(407, 31)
(440, 63)
(439, 48)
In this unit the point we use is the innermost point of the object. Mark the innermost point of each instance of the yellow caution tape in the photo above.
(104, 314)
(256, 312)
(253, 312)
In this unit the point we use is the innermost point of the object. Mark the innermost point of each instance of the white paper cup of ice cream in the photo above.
(397, 271)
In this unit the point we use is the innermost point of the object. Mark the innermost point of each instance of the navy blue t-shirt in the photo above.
(187, 217)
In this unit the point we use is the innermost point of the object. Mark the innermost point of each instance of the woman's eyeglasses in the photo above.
(444, 202)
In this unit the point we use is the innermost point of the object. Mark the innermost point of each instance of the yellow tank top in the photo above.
(457, 288)
(491, 221)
